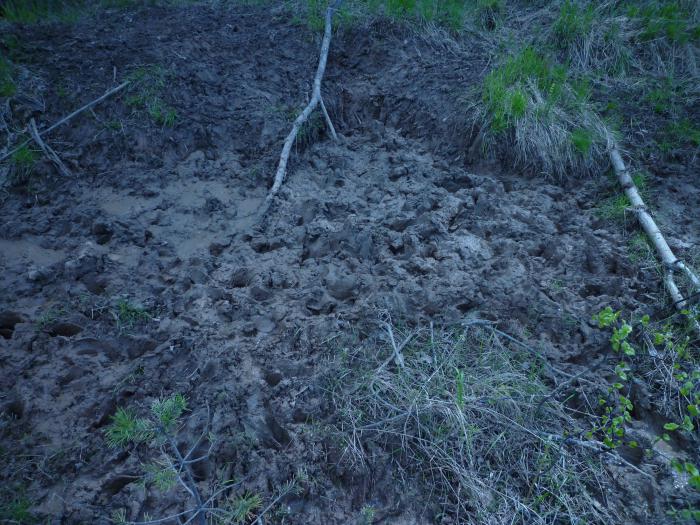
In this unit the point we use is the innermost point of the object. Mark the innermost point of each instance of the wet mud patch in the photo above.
(145, 274)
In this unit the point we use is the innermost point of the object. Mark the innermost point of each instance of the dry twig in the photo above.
(48, 151)
(304, 115)
(67, 118)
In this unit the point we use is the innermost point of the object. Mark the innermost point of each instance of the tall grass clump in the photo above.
(532, 113)
(470, 418)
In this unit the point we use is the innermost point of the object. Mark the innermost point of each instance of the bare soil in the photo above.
(390, 218)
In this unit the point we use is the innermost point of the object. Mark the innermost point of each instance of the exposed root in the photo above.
(304, 115)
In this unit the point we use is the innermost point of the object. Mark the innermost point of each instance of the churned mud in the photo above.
(145, 274)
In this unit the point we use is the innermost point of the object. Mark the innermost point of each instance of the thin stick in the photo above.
(304, 115)
(668, 258)
(329, 122)
(69, 117)
(50, 153)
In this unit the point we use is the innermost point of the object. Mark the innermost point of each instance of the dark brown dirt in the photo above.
(390, 218)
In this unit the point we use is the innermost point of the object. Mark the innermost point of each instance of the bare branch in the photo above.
(668, 258)
(306, 112)
(50, 153)
(68, 117)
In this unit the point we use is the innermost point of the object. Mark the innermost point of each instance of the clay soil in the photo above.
(241, 316)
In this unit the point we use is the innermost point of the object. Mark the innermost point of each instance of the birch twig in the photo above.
(670, 262)
(304, 115)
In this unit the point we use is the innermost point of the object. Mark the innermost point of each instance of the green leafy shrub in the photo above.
(661, 358)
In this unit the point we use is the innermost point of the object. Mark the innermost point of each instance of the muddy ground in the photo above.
(389, 219)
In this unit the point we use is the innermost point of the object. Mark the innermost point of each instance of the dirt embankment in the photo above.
(238, 317)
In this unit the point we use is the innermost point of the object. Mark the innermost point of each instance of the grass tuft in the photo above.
(145, 93)
(535, 115)
(573, 23)
(473, 420)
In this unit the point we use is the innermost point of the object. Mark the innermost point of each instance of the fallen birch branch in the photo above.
(304, 115)
(669, 260)
(67, 118)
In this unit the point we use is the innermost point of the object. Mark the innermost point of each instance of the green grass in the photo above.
(8, 87)
(507, 90)
(15, 506)
(679, 133)
(541, 118)
(614, 208)
(7, 83)
(69, 11)
(574, 22)
(582, 139)
(670, 19)
(129, 315)
(145, 94)
(448, 13)
(34, 11)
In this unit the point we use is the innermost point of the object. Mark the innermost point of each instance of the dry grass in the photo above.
(471, 417)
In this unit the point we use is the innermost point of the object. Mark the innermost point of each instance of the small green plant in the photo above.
(145, 93)
(127, 428)
(22, 163)
(49, 316)
(129, 315)
(243, 507)
(158, 429)
(367, 513)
